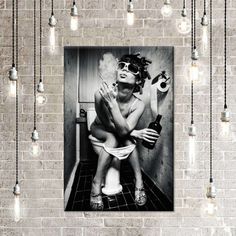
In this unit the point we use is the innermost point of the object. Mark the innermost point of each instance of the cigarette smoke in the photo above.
(107, 68)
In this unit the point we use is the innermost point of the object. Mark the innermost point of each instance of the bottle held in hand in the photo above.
(155, 125)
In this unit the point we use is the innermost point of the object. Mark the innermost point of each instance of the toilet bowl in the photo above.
(112, 179)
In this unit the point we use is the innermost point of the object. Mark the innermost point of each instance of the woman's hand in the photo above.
(109, 94)
(146, 134)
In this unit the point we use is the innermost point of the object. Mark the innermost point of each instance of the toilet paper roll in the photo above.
(162, 85)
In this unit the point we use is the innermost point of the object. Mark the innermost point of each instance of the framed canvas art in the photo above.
(118, 128)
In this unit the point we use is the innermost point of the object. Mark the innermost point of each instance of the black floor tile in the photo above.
(124, 201)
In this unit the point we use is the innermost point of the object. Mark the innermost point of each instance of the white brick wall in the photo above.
(102, 23)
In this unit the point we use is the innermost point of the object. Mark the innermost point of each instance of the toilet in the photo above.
(112, 179)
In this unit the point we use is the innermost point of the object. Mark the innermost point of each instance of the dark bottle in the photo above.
(157, 127)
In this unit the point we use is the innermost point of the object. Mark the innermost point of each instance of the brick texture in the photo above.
(102, 23)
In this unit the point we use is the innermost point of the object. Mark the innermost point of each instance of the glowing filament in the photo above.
(52, 38)
(183, 25)
(130, 18)
(12, 89)
(34, 149)
(194, 72)
(204, 40)
(74, 23)
(17, 208)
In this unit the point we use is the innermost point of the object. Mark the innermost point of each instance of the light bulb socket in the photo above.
(167, 2)
(40, 87)
(52, 21)
(192, 131)
(130, 7)
(13, 75)
(16, 190)
(35, 135)
(225, 115)
(211, 190)
(184, 12)
(204, 21)
(74, 10)
(195, 54)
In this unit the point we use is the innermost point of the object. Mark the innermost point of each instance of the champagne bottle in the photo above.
(155, 125)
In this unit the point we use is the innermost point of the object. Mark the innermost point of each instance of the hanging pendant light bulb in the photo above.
(40, 97)
(130, 13)
(166, 10)
(13, 72)
(74, 20)
(183, 25)
(34, 147)
(13, 78)
(209, 207)
(204, 39)
(204, 23)
(225, 123)
(225, 114)
(194, 68)
(52, 30)
(192, 146)
(16, 192)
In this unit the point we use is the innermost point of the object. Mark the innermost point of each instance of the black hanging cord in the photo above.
(17, 107)
(225, 56)
(184, 4)
(40, 41)
(35, 64)
(192, 34)
(194, 24)
(192, 121)
(204, 7)
(13, 33)
(211, 76)
(52, 8)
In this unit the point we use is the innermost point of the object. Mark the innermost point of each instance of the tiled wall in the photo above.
(102, 22)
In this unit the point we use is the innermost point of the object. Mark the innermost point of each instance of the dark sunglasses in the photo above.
(131, 67)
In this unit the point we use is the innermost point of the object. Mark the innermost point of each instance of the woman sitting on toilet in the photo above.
(118, 112)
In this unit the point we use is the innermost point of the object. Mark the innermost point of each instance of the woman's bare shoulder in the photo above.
(138, 104)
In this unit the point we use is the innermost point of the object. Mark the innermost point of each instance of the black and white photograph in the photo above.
(119, 128)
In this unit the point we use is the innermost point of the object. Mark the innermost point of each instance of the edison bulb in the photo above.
(74, 23)
(194, 71)
(130, 18)
(166, 10)
(35, 149)
(225, 128)
(183, 25)
(41, 99)
(192, 152)
(52, 38)
(209, 208)
(17, 207)
(12, 88)
(204, 45)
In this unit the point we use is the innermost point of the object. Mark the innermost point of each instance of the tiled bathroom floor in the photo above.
(124, 201)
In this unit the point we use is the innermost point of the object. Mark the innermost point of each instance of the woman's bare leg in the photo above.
(104, 158)
(134, 161)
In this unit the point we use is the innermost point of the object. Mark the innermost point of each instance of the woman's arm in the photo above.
(99, 107)
(123, 125)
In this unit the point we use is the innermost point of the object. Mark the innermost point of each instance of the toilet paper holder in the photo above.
(163, 82)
